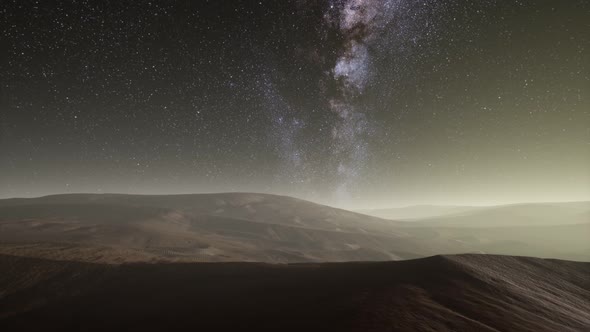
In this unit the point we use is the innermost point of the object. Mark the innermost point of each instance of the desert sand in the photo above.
(442, 293)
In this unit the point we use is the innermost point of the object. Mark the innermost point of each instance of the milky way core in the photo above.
(359, 22)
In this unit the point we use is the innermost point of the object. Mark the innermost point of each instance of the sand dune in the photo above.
(452, 293)
(212, 227)
(153, 263)
(266, 228)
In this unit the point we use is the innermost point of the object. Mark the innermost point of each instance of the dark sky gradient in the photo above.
(355, 103)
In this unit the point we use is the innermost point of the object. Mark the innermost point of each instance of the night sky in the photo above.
(353, 103)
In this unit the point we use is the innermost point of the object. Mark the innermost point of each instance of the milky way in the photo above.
(359, 21)
(347, 102)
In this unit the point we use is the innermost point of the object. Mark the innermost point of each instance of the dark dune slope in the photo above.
(442, 293)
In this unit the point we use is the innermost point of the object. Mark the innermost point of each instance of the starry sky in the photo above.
(353, 103)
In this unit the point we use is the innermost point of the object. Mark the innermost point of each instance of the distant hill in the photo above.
(113, 228)
(207, 227)
(490, 216)
(536, 229)
(533, 214)
(417, 211)
(452, 293)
